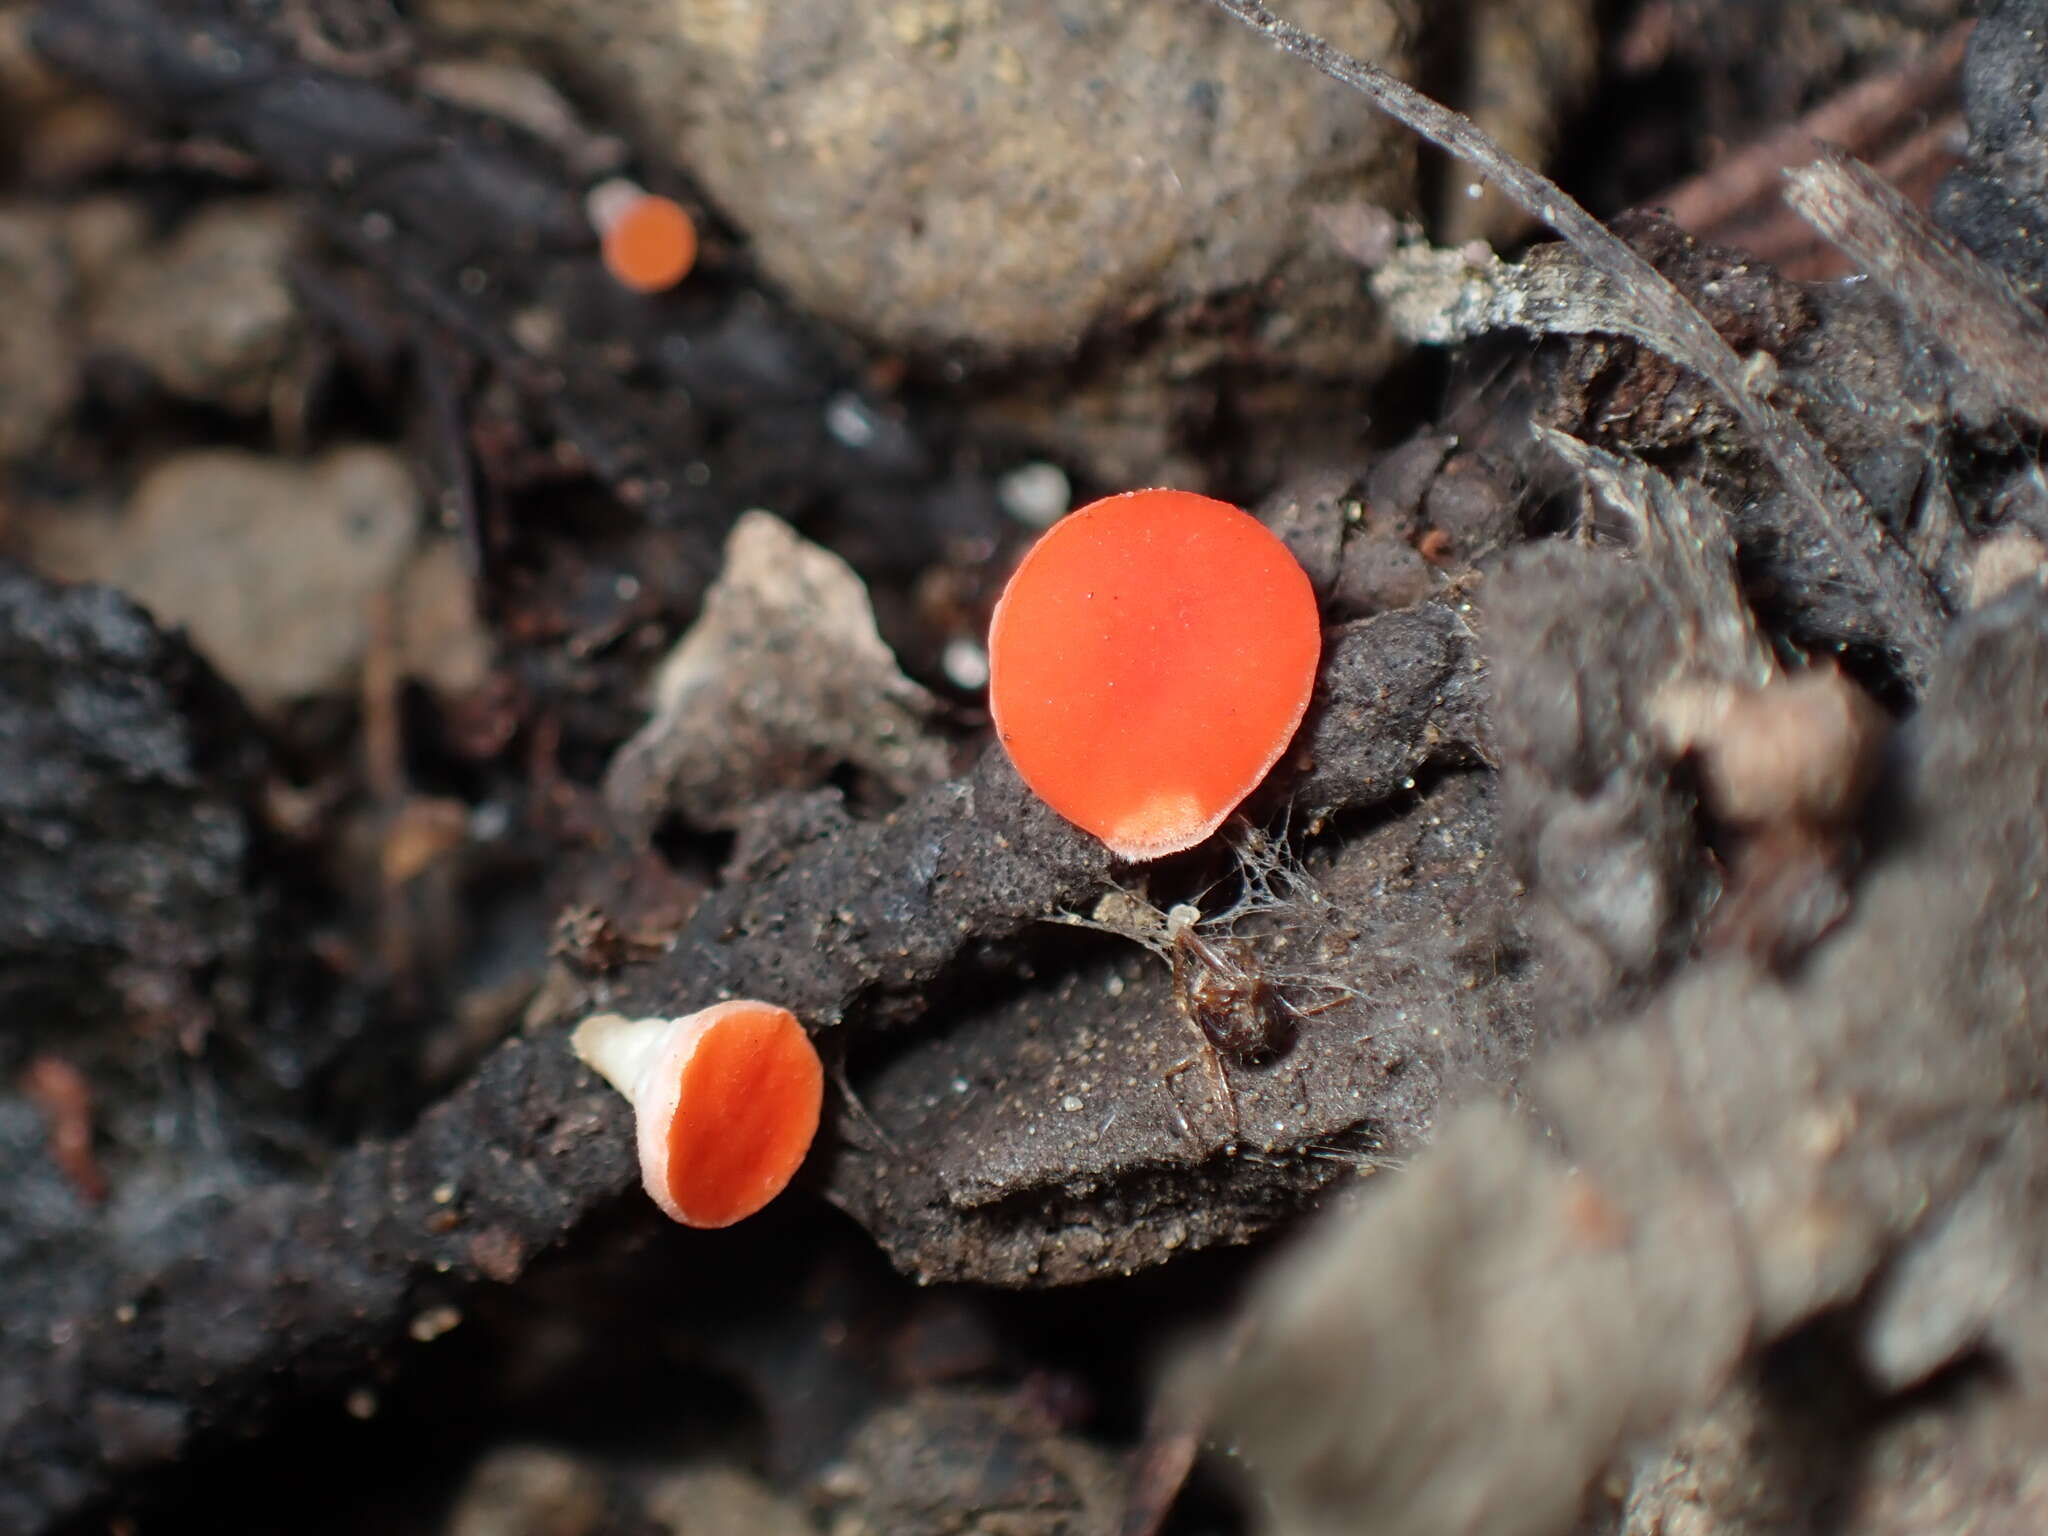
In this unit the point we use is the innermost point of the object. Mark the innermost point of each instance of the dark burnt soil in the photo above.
(1653, 879)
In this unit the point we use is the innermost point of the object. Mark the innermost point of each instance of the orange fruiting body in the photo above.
(756, 1063)
(649, 243)
(726, 1103)
(1149, 661)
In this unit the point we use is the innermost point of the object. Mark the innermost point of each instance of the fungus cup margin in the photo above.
(1150, 660)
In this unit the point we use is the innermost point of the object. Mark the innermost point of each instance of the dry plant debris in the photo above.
(1660, 315)
(1467, 1351)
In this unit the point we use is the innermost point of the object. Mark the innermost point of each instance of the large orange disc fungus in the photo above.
(725, 1100)
(1148, 664)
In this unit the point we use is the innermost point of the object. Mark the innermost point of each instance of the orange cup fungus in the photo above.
(1149, 661)
(725, 1103)
(649, 243)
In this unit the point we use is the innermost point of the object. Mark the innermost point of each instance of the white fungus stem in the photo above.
(605, 202)
(619, 1049)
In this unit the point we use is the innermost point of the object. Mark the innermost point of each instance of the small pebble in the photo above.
(965, 663)
(432, 1323)
(1036, 495)
(850, 421)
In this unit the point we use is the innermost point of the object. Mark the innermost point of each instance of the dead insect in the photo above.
(1242, 1012)
(1220, 986)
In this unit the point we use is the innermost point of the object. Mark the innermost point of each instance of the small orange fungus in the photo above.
(649, 242)
(1148, 664)
(725, 1100)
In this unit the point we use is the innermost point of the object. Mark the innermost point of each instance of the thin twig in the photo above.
(1856, 119)
(1675, 327)
(1781, 238)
